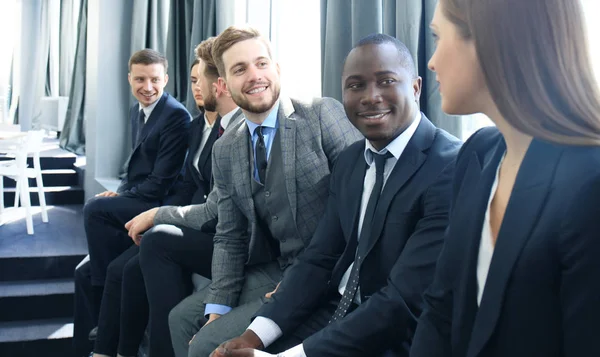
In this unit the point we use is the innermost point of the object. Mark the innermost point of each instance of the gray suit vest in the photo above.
(273, 212)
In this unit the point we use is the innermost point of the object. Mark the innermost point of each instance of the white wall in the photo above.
(107, 90)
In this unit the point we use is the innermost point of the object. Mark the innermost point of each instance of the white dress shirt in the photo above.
(148, 110)
(486, 246)
(266, 329)
(206, 133)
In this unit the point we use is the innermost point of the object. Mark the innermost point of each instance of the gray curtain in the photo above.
(72, 136)
(35, 28)
(345, 22)
(69, 22)
(174, 28)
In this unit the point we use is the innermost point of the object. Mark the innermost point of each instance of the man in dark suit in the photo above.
(159, 142)
(170, 252)
(271, 173)
(356, 290)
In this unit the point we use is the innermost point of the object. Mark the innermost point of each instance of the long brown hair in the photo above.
(536, 63)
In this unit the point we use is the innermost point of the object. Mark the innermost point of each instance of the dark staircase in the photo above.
(36, 271)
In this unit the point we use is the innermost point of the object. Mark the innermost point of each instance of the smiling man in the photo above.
(356, 290)
(159, 138)
(271, 174)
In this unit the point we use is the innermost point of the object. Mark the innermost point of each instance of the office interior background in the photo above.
(63, 68)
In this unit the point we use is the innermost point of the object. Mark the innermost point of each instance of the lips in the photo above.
(257, 88)
(373, 115)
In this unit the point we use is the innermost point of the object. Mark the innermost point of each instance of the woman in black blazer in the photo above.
(520, 271)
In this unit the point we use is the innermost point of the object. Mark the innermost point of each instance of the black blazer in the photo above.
(193, 185)
(542, 294)
(399, 264)
(157, 159)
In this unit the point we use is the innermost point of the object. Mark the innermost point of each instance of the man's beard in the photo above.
(245, 104)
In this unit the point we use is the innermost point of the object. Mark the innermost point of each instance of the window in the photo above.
(10, 23)
(291, 25)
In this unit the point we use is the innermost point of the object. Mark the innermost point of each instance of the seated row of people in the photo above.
(327, 241)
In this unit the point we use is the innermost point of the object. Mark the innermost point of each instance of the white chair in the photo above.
(17, 170)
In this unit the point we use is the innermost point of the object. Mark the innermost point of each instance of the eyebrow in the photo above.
(432, 26)
(243, 63)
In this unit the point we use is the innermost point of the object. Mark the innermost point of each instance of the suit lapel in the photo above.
(468, 219)
(408, 164)
(206, 150)
(151, 122)
(287, 132)
(531, 188)
(240, 153)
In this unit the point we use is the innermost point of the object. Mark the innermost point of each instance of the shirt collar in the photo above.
(207, 124)
(227, 117)
(148, 110)
(397, 146)
(270, 120)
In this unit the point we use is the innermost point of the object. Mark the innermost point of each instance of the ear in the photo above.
(278, 69)
(222, 87)
(417, 85)
(129, 78)
(166, 80)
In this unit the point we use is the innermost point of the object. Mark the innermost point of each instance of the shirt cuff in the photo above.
(297, 351)
(266, 329)
(216, 309)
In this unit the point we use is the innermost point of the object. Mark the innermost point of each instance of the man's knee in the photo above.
(154, 242)
(93, 206)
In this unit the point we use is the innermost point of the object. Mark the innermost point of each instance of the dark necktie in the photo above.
(221, 131)
(140, 126)
(365, 235)
(261, 155)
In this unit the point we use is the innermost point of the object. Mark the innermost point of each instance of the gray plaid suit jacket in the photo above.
(199, 215)
(312, 136)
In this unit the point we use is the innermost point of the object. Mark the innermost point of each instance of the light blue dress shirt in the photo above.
(270, 126)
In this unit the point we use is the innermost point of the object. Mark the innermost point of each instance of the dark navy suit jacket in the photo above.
(193, 185)
(542, 293)
(158, 156)
(407, 236)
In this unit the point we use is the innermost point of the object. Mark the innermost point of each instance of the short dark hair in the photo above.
(204, 52)
(406, 58)
(148, 56)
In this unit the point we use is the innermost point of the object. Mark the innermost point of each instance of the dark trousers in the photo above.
(124, 310)
(168, 257)
(104, 221)
(85, 310)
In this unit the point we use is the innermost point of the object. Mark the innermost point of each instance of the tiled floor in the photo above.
(62, 235)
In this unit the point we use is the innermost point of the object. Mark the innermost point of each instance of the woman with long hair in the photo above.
(519, 272)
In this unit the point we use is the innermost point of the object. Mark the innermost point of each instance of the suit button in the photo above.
(267, 193)
(274, 218)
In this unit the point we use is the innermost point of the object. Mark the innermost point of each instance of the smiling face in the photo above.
(147, 82)
(380, 95)
(251, 76)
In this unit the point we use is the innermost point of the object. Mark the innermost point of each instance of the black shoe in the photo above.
(93, 334)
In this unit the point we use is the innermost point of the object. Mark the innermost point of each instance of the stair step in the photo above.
(30, 300)
(51, 177)
(51, 337)
(55, 195)
(37, 268)
(10, 289)
(34, 330)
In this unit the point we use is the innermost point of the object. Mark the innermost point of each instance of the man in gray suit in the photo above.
(271, 172)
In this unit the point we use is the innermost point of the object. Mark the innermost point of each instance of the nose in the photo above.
(254, 73)
(431, 63)
(148, 85)
(371, 95)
